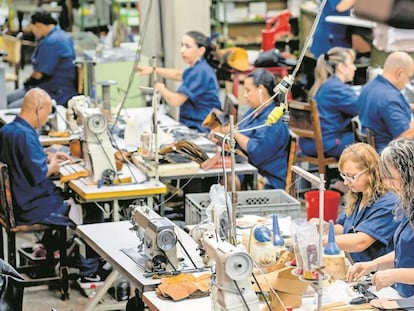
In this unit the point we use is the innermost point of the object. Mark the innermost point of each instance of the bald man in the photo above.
(383, 108)
(36, 198)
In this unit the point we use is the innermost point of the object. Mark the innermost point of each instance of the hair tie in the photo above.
(326, 56)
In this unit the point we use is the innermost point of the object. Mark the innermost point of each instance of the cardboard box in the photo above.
(289, 288)
(282, 280)
(288, 299)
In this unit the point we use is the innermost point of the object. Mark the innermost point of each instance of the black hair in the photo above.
(42, 17)
(263, 77)
(201, 40)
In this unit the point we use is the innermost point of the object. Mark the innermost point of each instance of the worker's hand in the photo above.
(358, 270)
(144, 70)
(53, 166)
(383, 278)
(160, 87)
(61, 156)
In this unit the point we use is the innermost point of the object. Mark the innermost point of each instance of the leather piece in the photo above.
(187, 149)
(183, 286)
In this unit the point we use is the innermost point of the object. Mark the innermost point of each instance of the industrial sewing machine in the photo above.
(158, 237)
(231, 289)
(97, 150)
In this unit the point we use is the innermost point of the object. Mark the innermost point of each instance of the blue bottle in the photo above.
(331, 248)
(277, 238)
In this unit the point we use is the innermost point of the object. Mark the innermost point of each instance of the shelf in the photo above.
(241, 21)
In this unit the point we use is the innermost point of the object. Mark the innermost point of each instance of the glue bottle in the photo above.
(331, 248)
(277, 238)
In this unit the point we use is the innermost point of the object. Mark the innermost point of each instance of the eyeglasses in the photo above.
(354, 177)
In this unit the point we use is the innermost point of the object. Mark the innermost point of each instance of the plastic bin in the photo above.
(331, 204)
(257, 202)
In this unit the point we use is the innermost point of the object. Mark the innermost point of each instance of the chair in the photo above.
(13, 46)
(304, 122)
(231, 106)
(359, 136)
(9, 226)
(291, 160)
(80, 78)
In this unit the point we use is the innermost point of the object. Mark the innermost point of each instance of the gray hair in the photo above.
(399, 155)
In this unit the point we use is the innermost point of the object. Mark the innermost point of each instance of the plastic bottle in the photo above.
(277, 238)
(331, 248)
(92, 290)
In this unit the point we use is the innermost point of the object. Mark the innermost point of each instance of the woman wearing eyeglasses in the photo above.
(366, 227)
(337, 102)
(396, 268)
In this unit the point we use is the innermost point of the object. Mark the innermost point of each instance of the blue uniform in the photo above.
(376, 220)
(267, 147)
(35, 196)
(327, 34)
(55, 56)
(404, 254)
(384, 110)
(201, 87)
(337, 104)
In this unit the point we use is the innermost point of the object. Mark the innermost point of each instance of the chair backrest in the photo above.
(231, 106)
(359, 136)
(304, 122)
(13, 46)
(370, 137)
(6, 202)
(290, 162)
(80, 78)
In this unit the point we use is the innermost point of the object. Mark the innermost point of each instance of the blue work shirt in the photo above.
(55, 56)
(337, 105)
(404, 254)
(35, 196)
(267, 147)
(376, 220)
(328, 35)
(384, 110)
(201, 87)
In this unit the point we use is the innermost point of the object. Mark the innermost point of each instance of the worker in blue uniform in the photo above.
(327, 34)
(199, 92)
(366, 227)
(396, 268)
(52, 61)
(383, 108)
(266, 147)
(336, 101)
(36, 198)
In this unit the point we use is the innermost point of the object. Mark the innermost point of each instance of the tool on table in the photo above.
(367, 296)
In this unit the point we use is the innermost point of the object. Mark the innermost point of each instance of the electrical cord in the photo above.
(136, 60)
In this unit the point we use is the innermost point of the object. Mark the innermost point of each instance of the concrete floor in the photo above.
(40, 298)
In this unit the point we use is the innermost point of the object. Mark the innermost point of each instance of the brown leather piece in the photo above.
(183, 286)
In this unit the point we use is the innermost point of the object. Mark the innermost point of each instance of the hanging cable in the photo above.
(136, 60)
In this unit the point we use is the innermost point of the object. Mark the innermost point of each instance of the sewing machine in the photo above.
(231, 289)
(158, 247)
(97, 150)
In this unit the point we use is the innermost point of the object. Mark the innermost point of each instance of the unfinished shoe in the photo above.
(393, 304)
